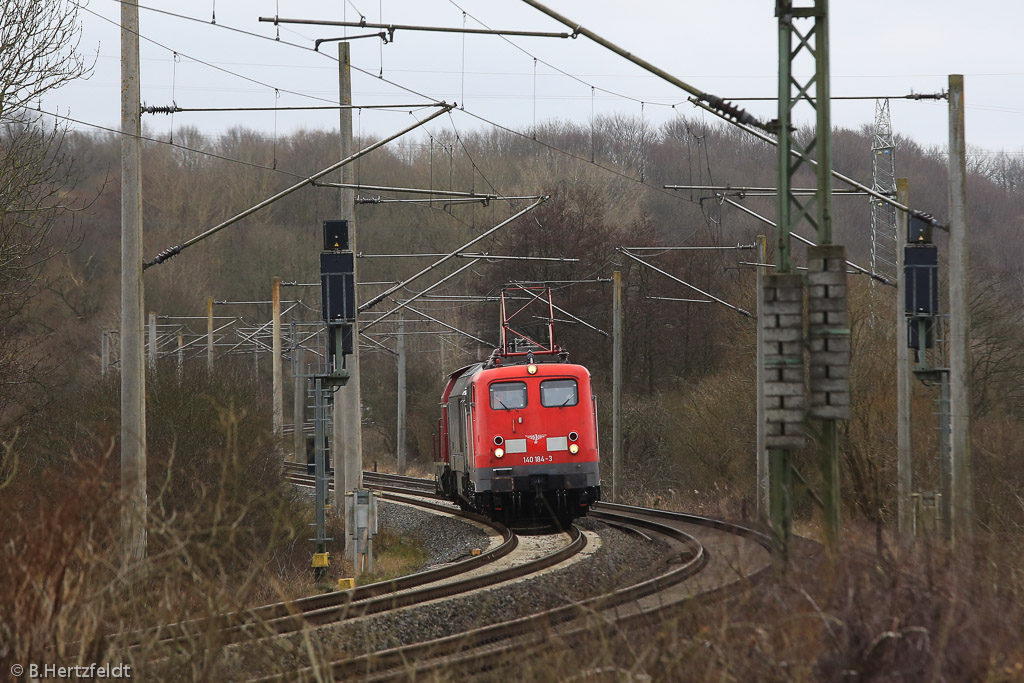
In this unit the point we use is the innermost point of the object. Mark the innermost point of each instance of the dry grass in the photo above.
(226, 533)
(856, 618)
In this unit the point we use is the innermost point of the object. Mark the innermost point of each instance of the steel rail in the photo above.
(532, 629)
(476, 650)
(413, 589)
(283, 617)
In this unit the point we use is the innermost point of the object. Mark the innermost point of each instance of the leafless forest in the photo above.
(218, 505)
(688, 366)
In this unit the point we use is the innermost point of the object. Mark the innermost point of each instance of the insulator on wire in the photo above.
(731, 110)
(171, 109)
(926, 217)
(166, 254)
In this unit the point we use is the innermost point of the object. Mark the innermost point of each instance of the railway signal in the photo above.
(337, 291)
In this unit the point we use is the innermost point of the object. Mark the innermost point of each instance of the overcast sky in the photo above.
(725, 47)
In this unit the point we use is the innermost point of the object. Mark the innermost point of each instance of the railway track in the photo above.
(297, 474)
(739, 558)
(338, 606)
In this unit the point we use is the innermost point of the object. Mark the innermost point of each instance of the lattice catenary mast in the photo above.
(884, 241)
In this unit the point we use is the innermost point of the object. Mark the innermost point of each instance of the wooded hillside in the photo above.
(689, 367)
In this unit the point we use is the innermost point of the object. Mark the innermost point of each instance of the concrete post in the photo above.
(762, 487)
(616, 386)
(278, 379)
(347, 447)
(152, 341)
(298, 397)
(904, 452)
(962, 511)
(400, 436)
(133, 376)
(105, 353)
(181, 354)
(209, 334)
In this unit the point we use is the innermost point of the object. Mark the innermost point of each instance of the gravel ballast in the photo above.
(444, 538)
(621, 559)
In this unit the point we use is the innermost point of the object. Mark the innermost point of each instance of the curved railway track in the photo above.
(338, 606)
(708, 558)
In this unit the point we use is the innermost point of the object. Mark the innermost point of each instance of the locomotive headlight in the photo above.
(574, 448)
(498, 440)
(499, 452)
(573, 436)
(532, 369)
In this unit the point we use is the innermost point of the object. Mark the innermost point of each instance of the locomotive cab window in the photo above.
(508, 395)
(556, 393)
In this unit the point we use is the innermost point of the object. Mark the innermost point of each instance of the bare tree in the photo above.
(38, 53)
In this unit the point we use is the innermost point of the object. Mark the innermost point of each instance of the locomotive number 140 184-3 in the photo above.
(538, 459)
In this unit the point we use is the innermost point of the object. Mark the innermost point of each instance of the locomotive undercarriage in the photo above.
(561, 497)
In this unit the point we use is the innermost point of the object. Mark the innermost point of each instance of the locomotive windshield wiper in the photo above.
(502, 403)
(566, 401)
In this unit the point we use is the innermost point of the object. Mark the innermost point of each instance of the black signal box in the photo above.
(336, 235)
(921, 274)
(337, 287)
(919, 231)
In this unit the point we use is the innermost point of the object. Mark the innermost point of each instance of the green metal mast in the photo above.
(804, 82)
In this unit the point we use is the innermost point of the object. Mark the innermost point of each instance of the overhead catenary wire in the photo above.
(767, 221)
(672, 298)
(391, 28)
(552, 66)
(420, 190)
(912, 96)
(814, 162)
(538, 297)
(695, 248)
(482, 255)
(445, 325)
(413, 91)
(772, 265)
(396, 107)
(714, 298)
(756, 190)
(719, 107)
(200, 61)
(718, 102)
(429, 202)
(400, 306)
(172, 251)
(380, 297)
(573, 155)
(212, 155)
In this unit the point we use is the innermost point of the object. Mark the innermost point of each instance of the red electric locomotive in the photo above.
(518, 432)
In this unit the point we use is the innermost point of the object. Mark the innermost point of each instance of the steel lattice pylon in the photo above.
(804, 82)
(884, 241)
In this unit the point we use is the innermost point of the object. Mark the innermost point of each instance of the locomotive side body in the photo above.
(520, 440)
